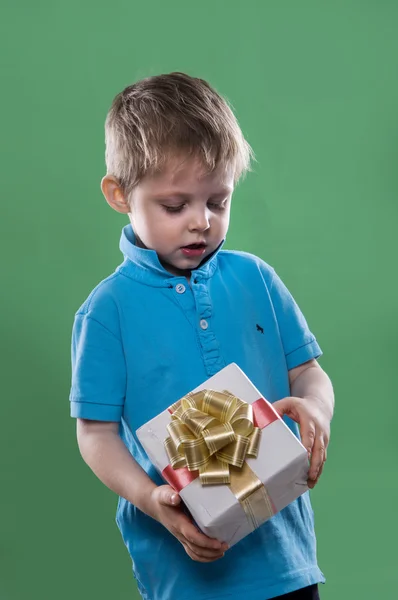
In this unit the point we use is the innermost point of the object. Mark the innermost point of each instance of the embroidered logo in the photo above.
(260, 329)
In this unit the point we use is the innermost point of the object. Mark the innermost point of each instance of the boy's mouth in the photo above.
(194, 249)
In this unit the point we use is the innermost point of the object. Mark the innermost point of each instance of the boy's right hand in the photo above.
(167, 510)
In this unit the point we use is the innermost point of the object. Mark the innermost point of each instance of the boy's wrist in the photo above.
(321, 404)
(146, 501)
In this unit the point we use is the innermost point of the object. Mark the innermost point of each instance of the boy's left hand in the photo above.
(314, 430)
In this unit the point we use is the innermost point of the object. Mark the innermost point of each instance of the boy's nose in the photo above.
(200, 221)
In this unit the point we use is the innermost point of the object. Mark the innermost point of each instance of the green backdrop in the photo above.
(315, 88)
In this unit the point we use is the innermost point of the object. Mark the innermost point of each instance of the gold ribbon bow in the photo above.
(213, 432)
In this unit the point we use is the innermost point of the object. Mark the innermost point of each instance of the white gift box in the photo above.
(281, 465)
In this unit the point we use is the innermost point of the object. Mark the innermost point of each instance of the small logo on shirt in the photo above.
(260, 329)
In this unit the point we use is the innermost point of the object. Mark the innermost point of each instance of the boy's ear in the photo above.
(114, 194)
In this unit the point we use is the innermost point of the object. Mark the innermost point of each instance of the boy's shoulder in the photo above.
(246, 264)
(103, 298)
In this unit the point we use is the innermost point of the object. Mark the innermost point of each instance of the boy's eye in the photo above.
(177, 209)
(173, 209)
(217, 205)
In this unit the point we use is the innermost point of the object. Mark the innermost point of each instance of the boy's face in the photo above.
(182, 213)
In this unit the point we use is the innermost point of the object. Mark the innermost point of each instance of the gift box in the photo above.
(233, 460)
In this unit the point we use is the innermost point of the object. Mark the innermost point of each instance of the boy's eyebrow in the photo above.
(184, 196)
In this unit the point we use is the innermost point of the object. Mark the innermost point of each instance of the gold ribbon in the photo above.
(213, 432)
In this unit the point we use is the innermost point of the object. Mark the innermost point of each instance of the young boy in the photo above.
(175, 312)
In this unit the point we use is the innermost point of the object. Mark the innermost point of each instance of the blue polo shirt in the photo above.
(143, 339)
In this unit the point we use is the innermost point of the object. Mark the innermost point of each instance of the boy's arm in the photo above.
(311, 404)
(310, 381)
(105, 453)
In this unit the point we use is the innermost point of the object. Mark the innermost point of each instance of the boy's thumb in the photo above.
(169, 497)
(282, 406)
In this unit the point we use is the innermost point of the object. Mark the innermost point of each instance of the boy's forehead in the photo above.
(188, 172)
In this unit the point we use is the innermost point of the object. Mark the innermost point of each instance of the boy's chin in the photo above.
(182, 267)
(176, 268)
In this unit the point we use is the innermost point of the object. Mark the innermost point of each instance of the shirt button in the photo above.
(180, 288)
(204, 324)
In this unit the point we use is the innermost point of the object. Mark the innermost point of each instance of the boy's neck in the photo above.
(140, 244)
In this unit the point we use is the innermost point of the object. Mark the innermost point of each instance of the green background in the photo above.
(315, 88)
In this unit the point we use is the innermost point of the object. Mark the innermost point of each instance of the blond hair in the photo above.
(164, 114)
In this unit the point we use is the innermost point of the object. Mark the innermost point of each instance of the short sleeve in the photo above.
(98, 371)
(298, 342)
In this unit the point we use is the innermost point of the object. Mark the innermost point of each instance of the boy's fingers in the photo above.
(311, 484)
(308, 436)
(320, 471)
(204, 552)
(317, 458)
(197, 557)
(168, 497)
(193, 536)
(281, 406)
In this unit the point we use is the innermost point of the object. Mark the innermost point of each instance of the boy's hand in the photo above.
(314, 430)
(167, 510)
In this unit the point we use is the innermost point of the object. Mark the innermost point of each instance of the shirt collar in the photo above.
(144, 264)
